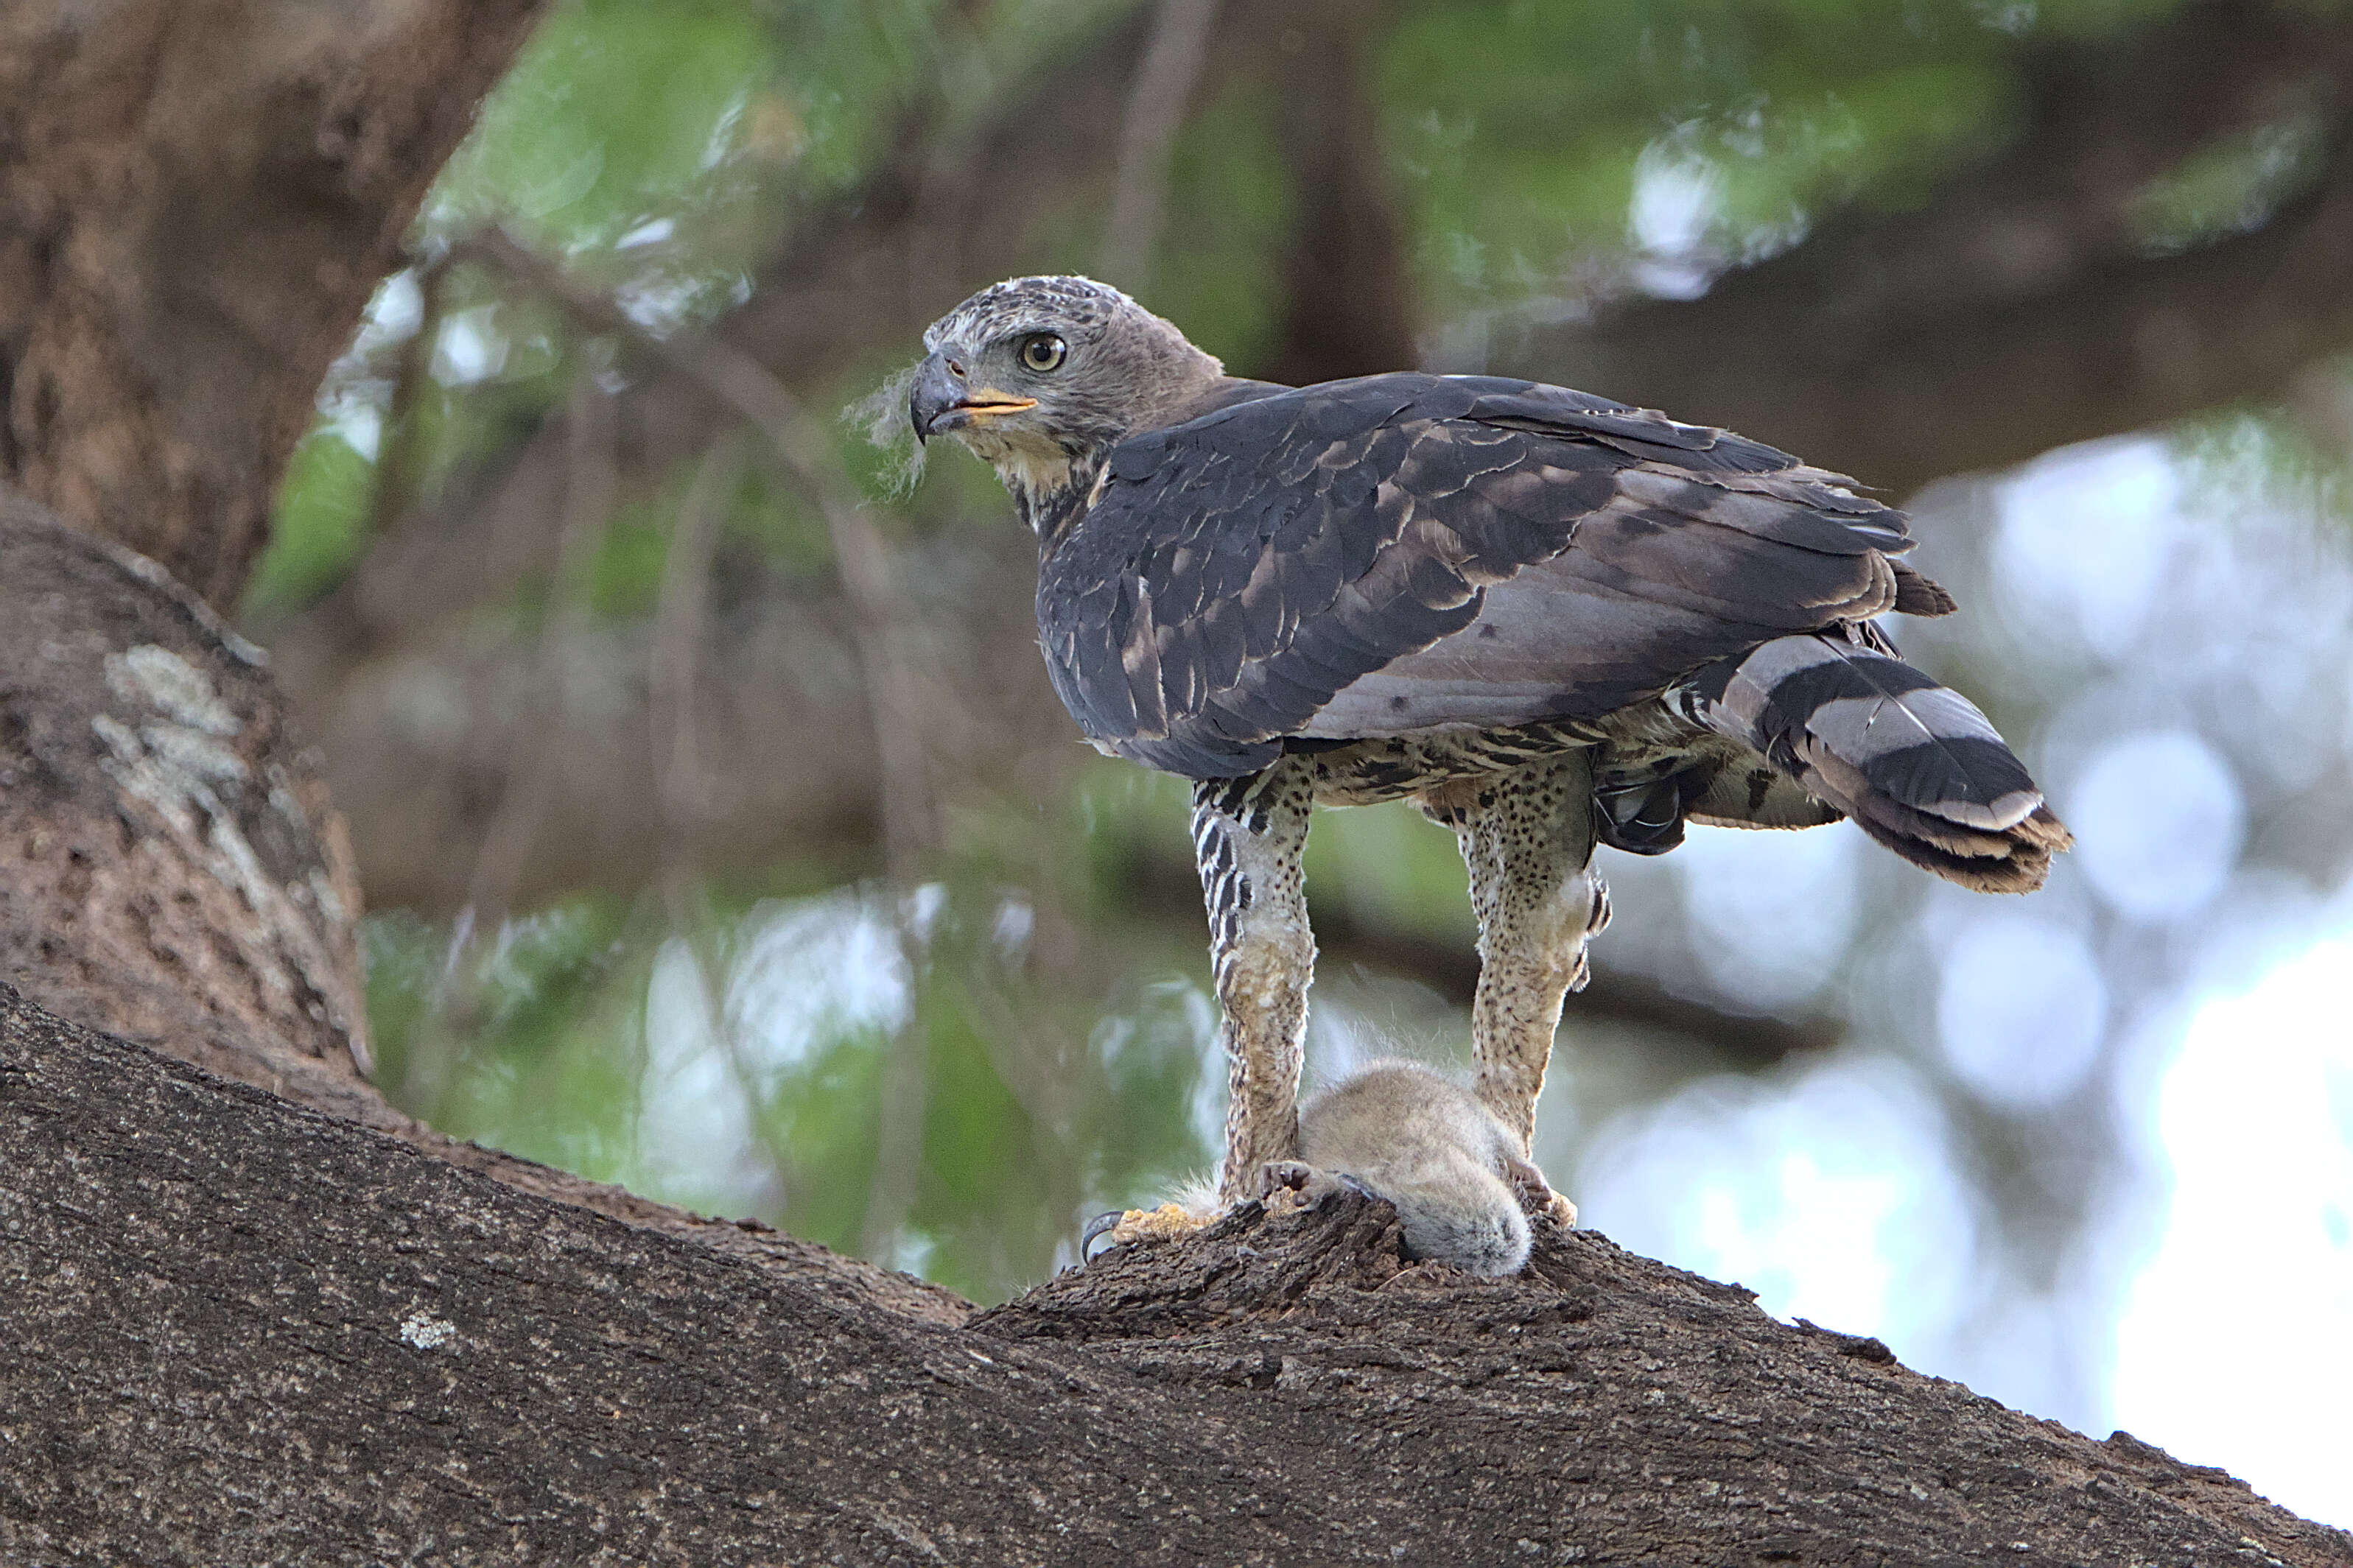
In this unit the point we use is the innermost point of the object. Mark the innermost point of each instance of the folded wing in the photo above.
(1406, 553)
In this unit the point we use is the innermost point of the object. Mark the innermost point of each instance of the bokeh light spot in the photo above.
(1770, 913)
(2159, 819)
(2021, 1010)
(1831, 1197)
(2087, 533)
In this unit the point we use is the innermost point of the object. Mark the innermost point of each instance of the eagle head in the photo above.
(1040, 377)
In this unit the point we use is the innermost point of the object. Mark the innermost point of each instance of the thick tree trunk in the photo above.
(238, 1329)
(196, 198)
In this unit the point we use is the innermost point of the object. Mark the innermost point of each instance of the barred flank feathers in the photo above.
(1915, 764)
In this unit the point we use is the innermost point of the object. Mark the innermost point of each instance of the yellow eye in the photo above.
(1043, 351)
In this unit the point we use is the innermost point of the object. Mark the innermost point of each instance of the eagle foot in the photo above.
(1126, 1227)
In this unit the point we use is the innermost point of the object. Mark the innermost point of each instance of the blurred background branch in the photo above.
(1147, 134)
(884, 620)
(2051, 290)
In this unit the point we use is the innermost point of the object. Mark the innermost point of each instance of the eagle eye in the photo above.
(1042, 351)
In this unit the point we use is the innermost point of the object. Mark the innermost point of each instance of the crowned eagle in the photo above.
(1550, 619)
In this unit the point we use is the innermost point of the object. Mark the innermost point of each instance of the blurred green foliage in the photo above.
(665, 150)
(677, 129)
(320, 523)
(544, 1008)
(1235, 209)
(551, 1037)
(2232, 186)
(540, 1037)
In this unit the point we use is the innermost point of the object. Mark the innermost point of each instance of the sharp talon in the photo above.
(1536, 1193)
(1563, 1212)
(1107, 1220)
(1127, 1226)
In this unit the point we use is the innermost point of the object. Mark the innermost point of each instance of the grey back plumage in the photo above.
(1407, 552)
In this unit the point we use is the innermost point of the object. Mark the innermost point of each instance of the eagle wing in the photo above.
(1399, 553)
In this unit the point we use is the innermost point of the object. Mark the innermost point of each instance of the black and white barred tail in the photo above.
(1912, 762)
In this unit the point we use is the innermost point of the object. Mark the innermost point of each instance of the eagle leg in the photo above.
(1527, 837)
(1248, 834)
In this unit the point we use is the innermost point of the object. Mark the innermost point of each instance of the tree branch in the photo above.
(2017, 310)
(231, 1319)
(521, 812)
(400, 446)
(884, 619)
(681, 615)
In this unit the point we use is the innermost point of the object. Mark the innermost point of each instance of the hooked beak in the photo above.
(941, 401)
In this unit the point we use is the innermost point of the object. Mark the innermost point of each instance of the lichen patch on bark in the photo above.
(177, 874)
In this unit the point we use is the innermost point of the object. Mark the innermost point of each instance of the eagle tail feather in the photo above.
(1913, 762)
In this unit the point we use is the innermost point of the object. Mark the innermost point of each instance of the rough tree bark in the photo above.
(236, 1321)
(173, 872)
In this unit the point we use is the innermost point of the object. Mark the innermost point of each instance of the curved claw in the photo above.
(1167, 1223)
(1536, 1193)
(1106, 1221)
